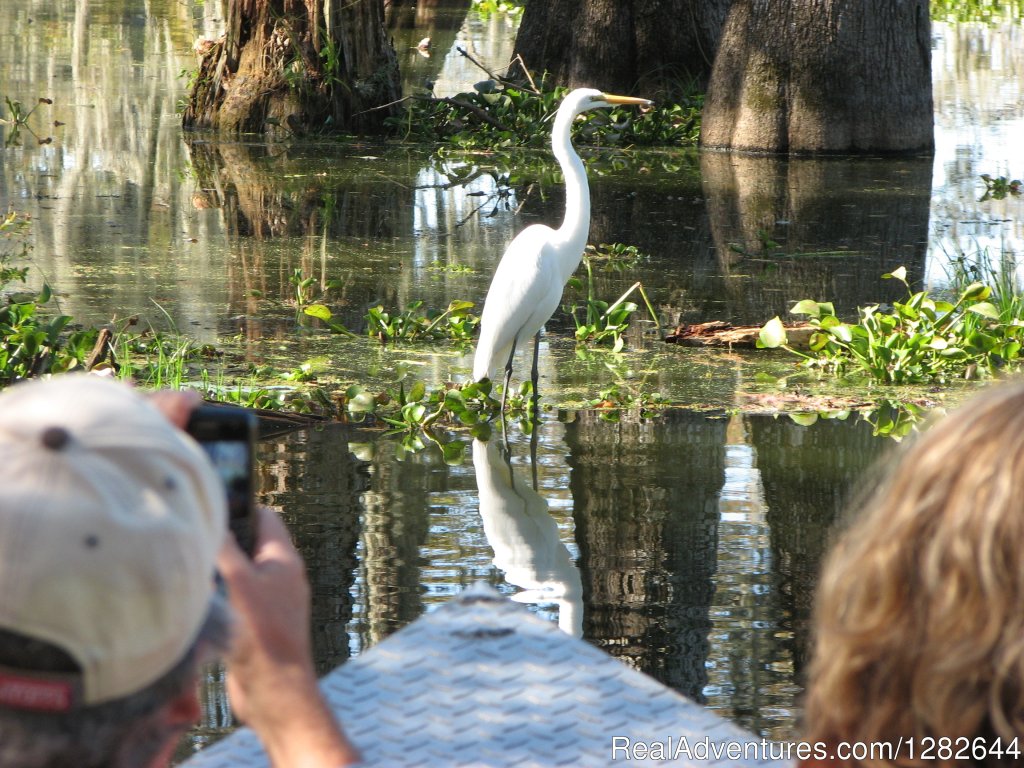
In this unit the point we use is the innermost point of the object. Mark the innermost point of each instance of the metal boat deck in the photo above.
(483, 682)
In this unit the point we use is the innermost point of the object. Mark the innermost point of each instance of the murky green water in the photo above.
(686, 544)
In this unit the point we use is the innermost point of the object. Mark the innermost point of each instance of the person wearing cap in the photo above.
(112, 523)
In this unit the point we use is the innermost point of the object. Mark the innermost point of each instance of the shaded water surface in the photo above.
(686, 544)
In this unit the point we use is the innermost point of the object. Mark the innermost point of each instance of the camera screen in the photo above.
(232, 461)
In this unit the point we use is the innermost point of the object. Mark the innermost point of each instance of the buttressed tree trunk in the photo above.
(622, 46)
(822, 76)
(290, 66)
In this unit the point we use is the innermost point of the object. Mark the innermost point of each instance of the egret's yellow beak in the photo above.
(613, 99)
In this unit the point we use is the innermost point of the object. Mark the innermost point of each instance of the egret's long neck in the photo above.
(576, 225)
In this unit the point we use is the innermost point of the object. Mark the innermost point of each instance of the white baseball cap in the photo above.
(110, 523)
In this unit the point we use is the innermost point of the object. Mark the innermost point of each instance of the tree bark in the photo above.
(291, 66)
(806, 76)
(653, 46)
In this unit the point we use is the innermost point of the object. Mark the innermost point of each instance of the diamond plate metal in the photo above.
(483, 682)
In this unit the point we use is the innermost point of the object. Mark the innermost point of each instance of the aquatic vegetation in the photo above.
(415, 407)
(921, 340)
(248, 392)
(450, 269)
(155, 360)
(984, 11)
(612, 400)
(894, 419)
(603, 322)
(600, 320)
(32, 343)
(925, 338)
(14, 230)
(498, 115)
(308, 296)
(18, 119)
(615, 257)
(35, 337)
(415, 323)
(997, 188)
(488, 8)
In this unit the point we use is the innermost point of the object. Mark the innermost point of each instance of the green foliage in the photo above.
(920, 340)
(496, 116)
(601, 321)
(894, 419)
(156, 360)
(14, 232)
(307, 292)
(414, 323)
(31, 343)
(331, 61)
(193, 81)
(450, 269)
(519, 406)
(999, 187)
(612, 400)
(488, 8)
(304, 372)
(253, 397)
(615, 257)
(18, 118)
(985, 11)
(413, 412)
(9, 274)
(35, 337)
(305, 286)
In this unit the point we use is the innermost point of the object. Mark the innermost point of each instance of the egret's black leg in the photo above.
(508, 379)
(534, 438)
(504, 391)
(535, 377)
(507, 455)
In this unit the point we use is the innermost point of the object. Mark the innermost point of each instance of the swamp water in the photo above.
(685, 543)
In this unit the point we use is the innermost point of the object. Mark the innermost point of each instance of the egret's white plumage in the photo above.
(525, 538)
(527, 285)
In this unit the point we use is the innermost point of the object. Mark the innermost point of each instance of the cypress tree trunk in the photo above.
(822, 76)
(290, 66)
(621, 45)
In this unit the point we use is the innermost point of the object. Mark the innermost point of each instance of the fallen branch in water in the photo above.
(721, 334)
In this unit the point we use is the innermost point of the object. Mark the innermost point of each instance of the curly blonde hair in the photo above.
(919, 613)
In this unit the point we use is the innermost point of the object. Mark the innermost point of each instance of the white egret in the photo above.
(527, 285)
(525, 538)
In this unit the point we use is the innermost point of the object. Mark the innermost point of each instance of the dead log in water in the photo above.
(718, 333)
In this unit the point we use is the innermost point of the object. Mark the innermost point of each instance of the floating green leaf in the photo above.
(772, 334)
(318, 311)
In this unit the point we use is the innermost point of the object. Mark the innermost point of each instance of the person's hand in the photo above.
(176, 404)
(272, 682)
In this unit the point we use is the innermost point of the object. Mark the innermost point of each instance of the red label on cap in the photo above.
(32, 693)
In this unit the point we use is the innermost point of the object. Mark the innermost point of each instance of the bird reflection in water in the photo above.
(525, 538)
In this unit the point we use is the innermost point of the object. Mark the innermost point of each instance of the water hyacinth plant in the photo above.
(921, 340)
(497, 115)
